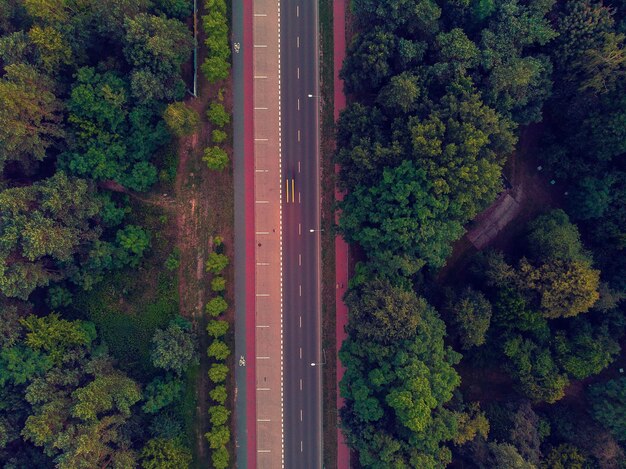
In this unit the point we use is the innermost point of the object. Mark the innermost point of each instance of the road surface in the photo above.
(301, 246)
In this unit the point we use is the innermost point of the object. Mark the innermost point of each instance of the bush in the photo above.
(218, 373)
(218, 415)
(218, 136)
(217, 115)
(218, 350)
(217, 329)
(216, 306)
(218, 394)
(180, 119)
(218, 284)
(215, 158)
(216, 263)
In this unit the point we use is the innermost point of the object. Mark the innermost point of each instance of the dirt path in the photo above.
(204, 209)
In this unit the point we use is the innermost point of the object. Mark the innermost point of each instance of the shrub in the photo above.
(217, 115)
(218, 136)
(215, 158)
(218, 373)
(217, 329)
(216, 263)
(216, 306)
(218, 350)
(180, 119)
(218, 284)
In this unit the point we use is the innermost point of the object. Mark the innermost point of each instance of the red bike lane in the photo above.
(250, 235)
(341, 248)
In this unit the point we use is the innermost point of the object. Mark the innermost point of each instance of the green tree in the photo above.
(220, 458)
(562, 289)
(218, 373)
(506, 456)
(156, 47)
(215, 158)
(218, 350)
(133, 241)
(161, 392)
(394, 391)
(216, 306)
(216, 262)
(608, 406)
(218, 136)
(165, 453)
(565, 456)
(217, 329)
(217, 115)
(219, 394)
(218, 436)
(552, 236)
(471, 311)
(218, 284)
(45, 230)
(180, 119)
(218, 415)
(174, 348)
(30, 115)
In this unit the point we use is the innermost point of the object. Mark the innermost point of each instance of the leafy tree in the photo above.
(220, 458)
(174, 8)
(174, 347)
(218, 436)
(368, 61)
(156, 48)
(217, 329)
(219, 394)
(562, 289)
(216, 262)
(393, 392)
(218, 350)
(565, 456)
(30, 115)
(218, 415)
(552, 236)
(399, 222)
(217, 115)
(44, 228)
(455, 47)
(608, 406)
(383, 313)
(161, 392)
(134, 241)
(471, 424)
(471, 311)
(218, 373)
(165, 453)
(20, 364)
(535, 369)
(505, 456)
(52, 48)
(218, 284)
(180, 119)
(216, 306)
(218, 136)
(216, 158)
(55, 336)
(112, 138)
(401, 94)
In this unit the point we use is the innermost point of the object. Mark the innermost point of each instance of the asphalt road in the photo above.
(301, 247)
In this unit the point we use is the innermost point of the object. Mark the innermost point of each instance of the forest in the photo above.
(509, 355)
(97, 367)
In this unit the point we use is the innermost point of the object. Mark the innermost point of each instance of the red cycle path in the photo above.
(341, 248)
(250, 248)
